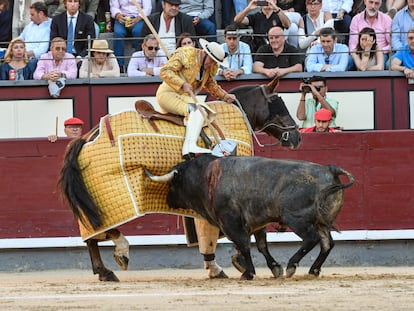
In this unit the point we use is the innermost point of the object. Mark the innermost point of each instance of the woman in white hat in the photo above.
(188, 71)
(102, 64)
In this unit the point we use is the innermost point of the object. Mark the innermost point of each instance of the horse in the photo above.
(264, 111)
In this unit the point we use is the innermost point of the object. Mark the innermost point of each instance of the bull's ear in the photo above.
(272, 85)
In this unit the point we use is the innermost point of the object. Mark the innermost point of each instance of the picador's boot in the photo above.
(194, 125)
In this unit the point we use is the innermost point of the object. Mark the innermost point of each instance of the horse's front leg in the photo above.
(207, 235)
(121, 252)
(98, 266)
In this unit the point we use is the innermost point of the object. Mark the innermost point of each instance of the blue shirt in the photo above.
(316, 58)
(405, 56)
(241, 59)
(401, 23)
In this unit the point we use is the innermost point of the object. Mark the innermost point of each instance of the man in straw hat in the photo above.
(186, 72)
(102, 64)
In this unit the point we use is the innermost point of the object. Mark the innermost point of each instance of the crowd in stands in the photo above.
(286, 36)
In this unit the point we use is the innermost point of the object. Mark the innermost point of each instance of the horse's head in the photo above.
(267, 112)
(280, 123)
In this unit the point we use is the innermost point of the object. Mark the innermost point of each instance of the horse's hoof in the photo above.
(238, 262)
(277, 271)
(108, 277)
(122, 261)
(221, 275)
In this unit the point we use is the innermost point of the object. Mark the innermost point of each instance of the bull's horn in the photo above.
(164, 178)
(272, 85)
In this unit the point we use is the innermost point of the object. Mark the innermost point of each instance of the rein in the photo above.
(285, 135)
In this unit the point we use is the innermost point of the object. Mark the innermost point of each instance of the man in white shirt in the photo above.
(37, 33)
(170, 23)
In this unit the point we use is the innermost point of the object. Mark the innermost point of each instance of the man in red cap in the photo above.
(73, 129)
(323, 119)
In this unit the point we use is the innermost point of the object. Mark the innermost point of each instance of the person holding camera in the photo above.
(307, 107)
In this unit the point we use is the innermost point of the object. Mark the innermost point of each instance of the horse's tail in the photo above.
(74, 189)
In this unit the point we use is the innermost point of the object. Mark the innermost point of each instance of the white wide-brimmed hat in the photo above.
(100, 46)
(215, 51)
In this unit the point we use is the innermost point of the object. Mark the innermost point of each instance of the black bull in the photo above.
(241, 195)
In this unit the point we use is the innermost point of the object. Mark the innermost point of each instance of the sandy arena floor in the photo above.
(338, 288)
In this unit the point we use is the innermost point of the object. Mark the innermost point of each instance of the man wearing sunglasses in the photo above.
(316, 86)
(147, 62)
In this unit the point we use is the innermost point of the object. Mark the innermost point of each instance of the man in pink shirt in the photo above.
(56, 63)
(373, 18)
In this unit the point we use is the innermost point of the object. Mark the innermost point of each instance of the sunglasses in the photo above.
(327, 60)
(58, 48)
(151, 48)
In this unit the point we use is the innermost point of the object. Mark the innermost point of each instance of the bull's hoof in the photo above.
(221, 275)
(122, 261)
(238, 262)
(290, 271)
(108, 277)
(277, 271)
(315, 272)
(247, 276)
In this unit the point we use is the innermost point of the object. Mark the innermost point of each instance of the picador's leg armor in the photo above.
(207, 241)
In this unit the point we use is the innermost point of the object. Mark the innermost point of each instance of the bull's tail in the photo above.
(327, 213)
(337, 171)
(74, 189)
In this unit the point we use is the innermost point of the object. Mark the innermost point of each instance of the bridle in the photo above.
(285, 129)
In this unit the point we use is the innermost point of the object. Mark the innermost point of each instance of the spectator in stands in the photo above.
(73, 129)
(52, 6)
(16, 59)
(393, 6)
(186, 39)
(187, 70)
(73, 26)
(147, 62)
(328, 55)
(128, 21)
(367, 56)
(403, 60)
(307, 107)
(277, 58)
(201, 11)
(89, 7)
(57, 63)
(323, 118)
(311, 22)
(226, 10)
(268, 17)
(37, 33)
(402, 21)
(340, 10)
(376, 20)
(6, 16)
(169, 24)
(293, 9)
(239, 55)
(102, 64)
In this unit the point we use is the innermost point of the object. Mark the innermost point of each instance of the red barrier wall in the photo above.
(30, 205)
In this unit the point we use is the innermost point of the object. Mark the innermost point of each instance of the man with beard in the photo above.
(169, 24)
(372, 17)
(323, 119)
